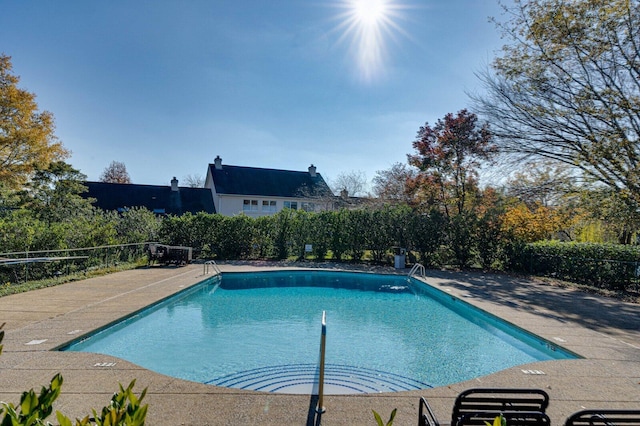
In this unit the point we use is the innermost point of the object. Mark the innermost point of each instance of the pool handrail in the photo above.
(417, 268)
(426, 416)
(213, 265)
(323, 337)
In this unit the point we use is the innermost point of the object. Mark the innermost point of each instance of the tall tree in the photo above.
(27, 140)
(617, 219)
(354, 182)
(53, 194)
(391, 184)
(194, 181)
(448, 156)
(567, 87)
(116, 172)
(543, 183)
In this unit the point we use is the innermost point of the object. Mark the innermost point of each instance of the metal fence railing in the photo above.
(20, 267)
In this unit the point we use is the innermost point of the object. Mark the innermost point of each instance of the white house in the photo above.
(261, 192)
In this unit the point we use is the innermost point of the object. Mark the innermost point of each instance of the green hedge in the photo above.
(610, 266)
(362, 234)
(340, 235)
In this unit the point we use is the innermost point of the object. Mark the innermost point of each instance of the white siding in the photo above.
(232, 205)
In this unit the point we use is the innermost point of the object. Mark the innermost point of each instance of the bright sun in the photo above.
(367, 23)
(369, 12)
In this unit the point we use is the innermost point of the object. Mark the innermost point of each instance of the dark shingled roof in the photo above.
(158, 198)
(240, 180)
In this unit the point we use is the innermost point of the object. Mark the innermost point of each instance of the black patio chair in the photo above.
(493, 401)
(604, 417)
(513, 418)
(426, 417)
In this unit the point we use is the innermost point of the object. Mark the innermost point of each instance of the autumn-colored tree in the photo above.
(529, 225)
(27, 140)
(448, 157)
(567, 88)
(116, 172)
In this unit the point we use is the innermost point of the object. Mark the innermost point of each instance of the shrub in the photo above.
(462, 238)
(611, 266)
(428, 235)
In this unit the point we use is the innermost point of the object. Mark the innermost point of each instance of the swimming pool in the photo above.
(261, 331)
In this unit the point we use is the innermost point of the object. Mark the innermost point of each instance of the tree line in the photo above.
(559, 118)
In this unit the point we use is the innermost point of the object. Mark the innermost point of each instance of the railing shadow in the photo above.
(313, 417)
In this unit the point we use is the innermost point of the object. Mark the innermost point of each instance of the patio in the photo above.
(604, 331)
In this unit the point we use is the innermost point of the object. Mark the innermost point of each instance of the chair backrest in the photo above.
(426, 417)
(513, 418)
(604, 417)
(498, 400)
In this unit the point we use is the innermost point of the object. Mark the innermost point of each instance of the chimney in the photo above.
(312, 170)
(218, 162)
(344, 193)
(174, 184)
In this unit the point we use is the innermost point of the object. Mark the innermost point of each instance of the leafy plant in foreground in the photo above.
(500, 420)
(391, 417)
(33, 409)
(123, 410)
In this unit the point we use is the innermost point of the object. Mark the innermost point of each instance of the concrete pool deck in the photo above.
(606, 332)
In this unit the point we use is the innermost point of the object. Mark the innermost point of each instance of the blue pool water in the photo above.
(262, 331)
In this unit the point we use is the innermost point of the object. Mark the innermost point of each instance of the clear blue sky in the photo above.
(166, 85)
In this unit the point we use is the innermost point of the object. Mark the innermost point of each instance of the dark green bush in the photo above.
(428, 235)
(466, 240)
(462, 240)
(610, 266)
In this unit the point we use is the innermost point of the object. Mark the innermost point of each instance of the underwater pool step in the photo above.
(303, 379)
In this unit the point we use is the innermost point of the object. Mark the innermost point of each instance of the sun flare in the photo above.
(369, 12)
(368, 24)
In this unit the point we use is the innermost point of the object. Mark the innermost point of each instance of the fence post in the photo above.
(26, 267)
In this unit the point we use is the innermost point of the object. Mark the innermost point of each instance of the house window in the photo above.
(268, 206)
(308, 207)
(293, 205)
(250, 205)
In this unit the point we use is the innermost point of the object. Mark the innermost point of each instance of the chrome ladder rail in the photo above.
(323, 337)
(213, 265)
(417, 268)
